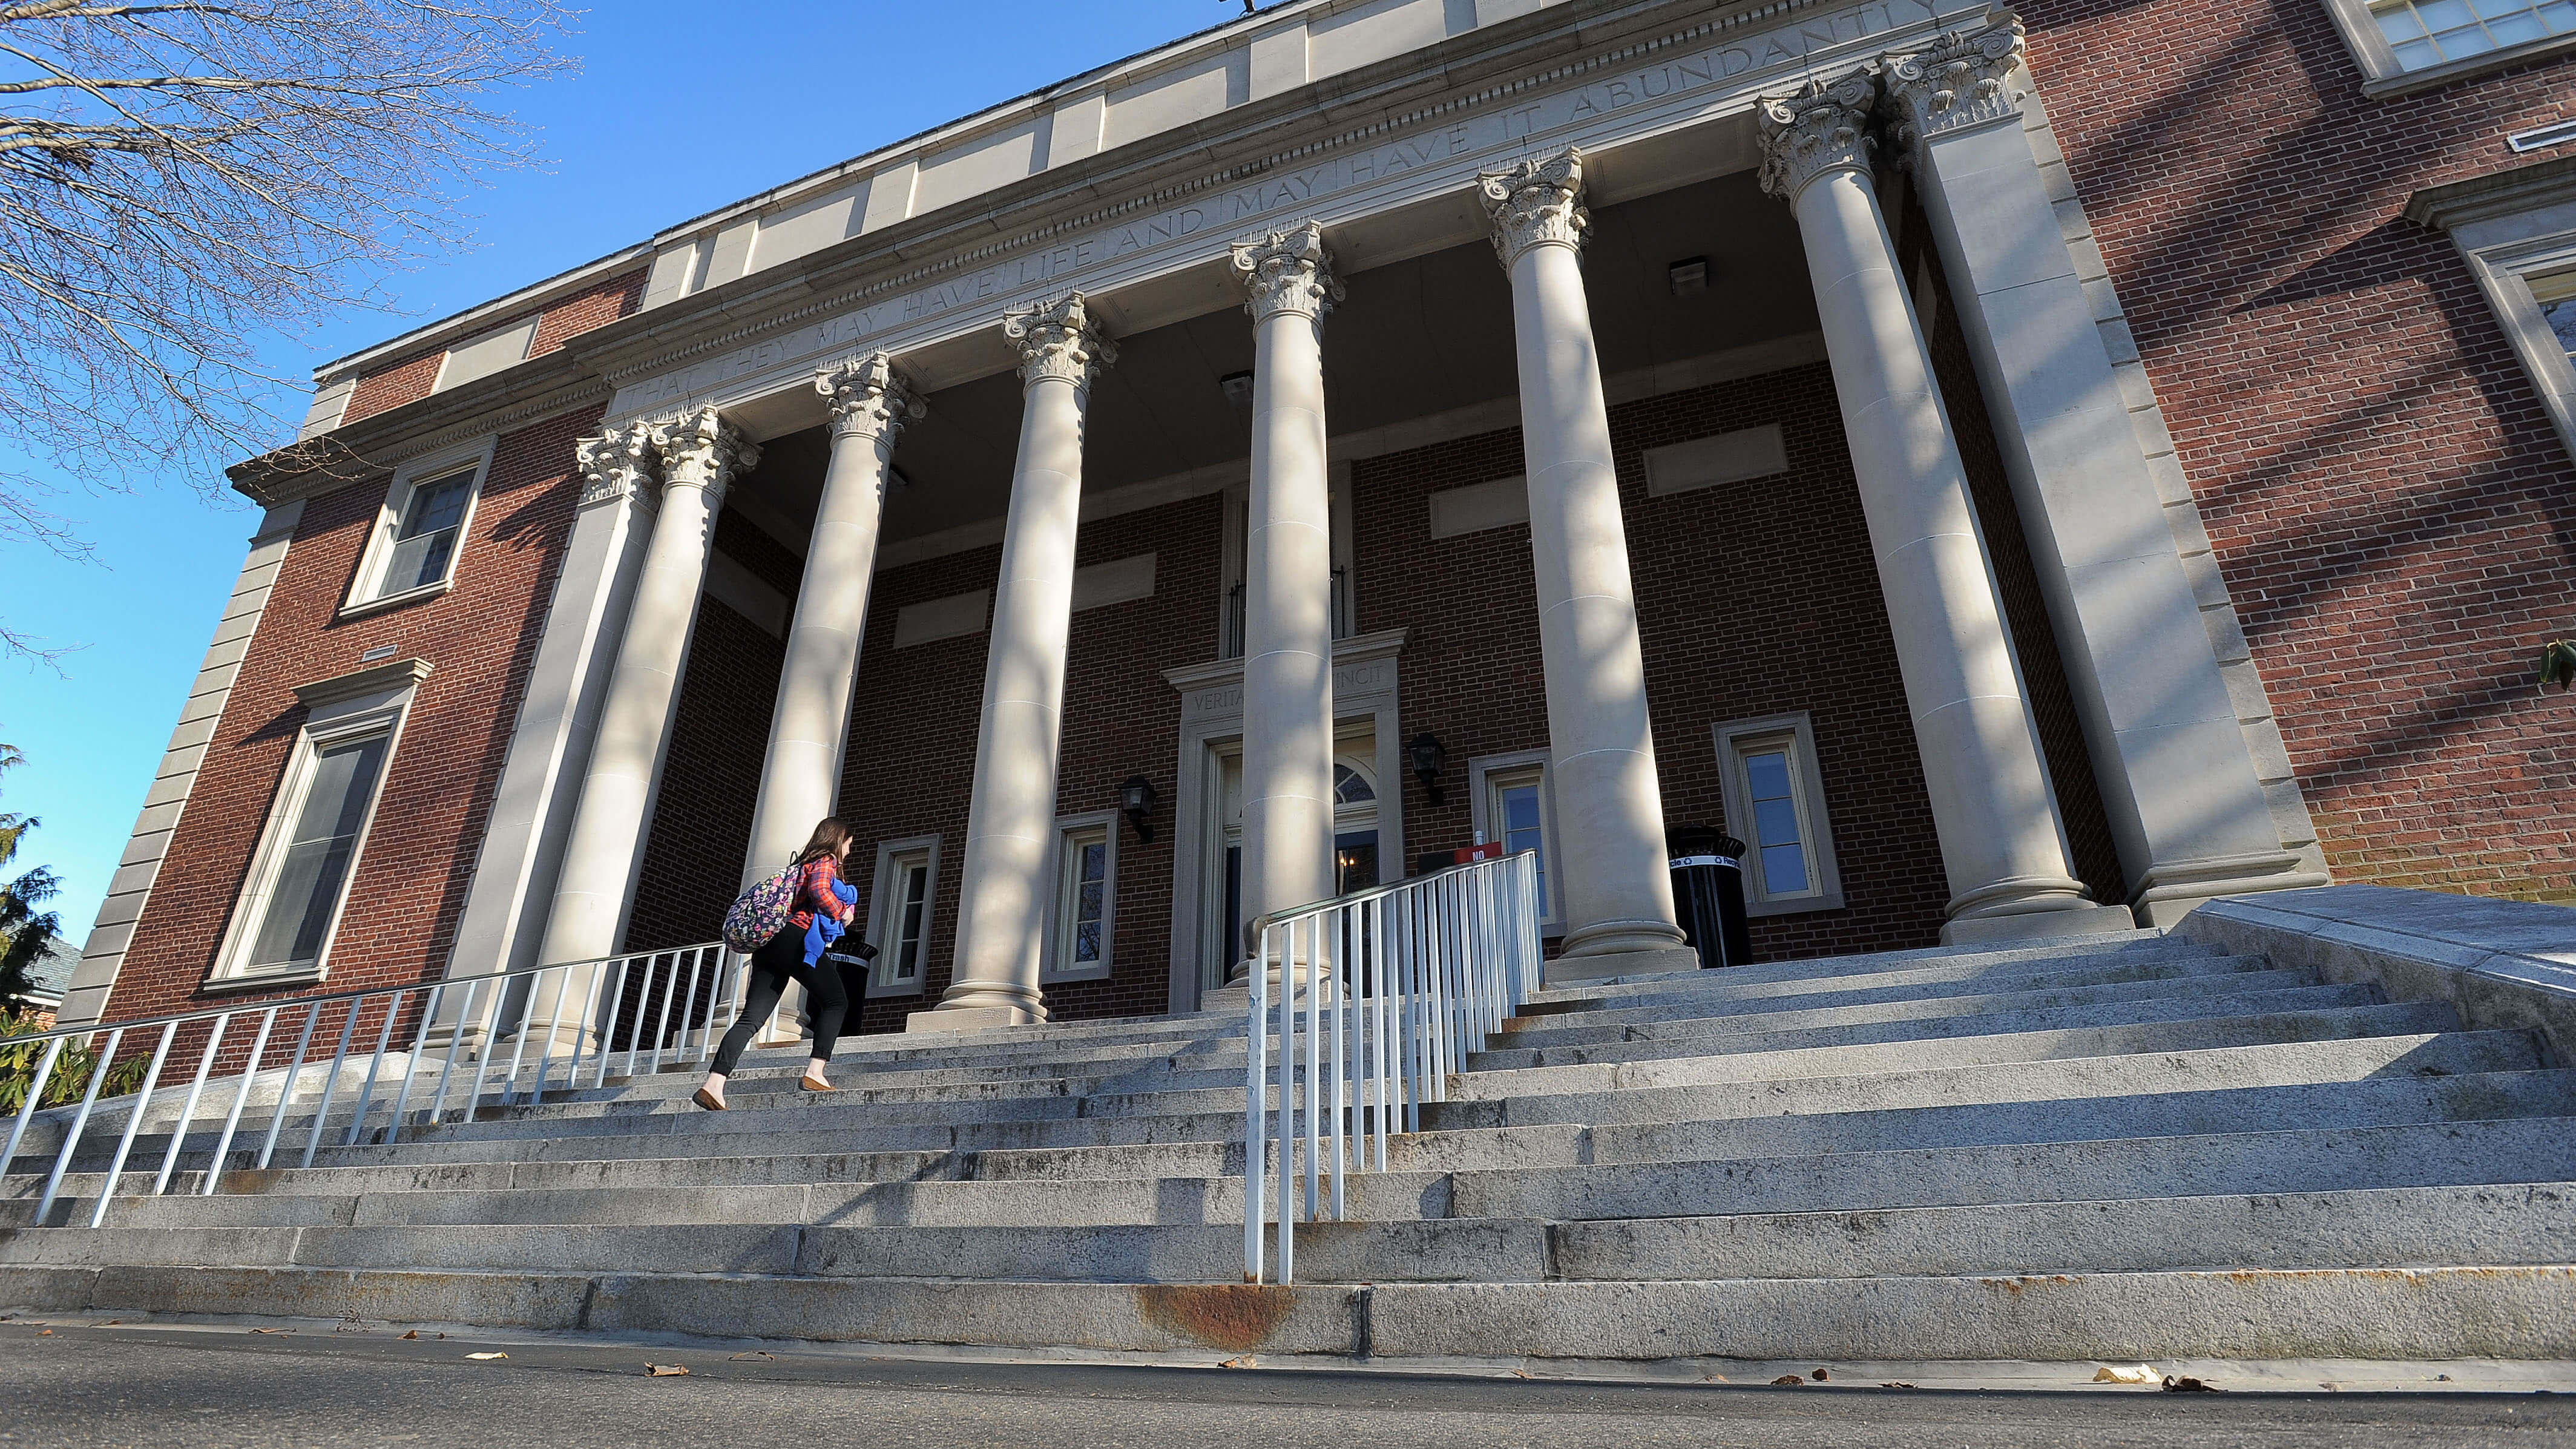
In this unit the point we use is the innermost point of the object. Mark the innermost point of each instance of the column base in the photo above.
(2167, 893)
(1623, 938)
(2088, 919)
(1661, 961)
(971, 1018)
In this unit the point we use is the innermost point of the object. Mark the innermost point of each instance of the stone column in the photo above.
(1610, 860)
(2180, 786)
(2002, 843)
(801, 778)
(1288, 580)
(699, 453)
(1003, 891)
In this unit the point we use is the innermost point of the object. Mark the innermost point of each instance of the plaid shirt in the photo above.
(814, 893)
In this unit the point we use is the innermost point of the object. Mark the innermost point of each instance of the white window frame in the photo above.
(352, 707)
(364, 597)
(1734, 740)
(884, 919)
(1234, 543)
(2383, 76)
(2510, 227)
(1487, 777)
(1059, 925)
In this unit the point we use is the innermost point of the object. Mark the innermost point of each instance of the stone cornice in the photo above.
(375, 679)
(1960, 81)
(1059, 341)
(868, 397)
(1821, 128)
(2498, 193)
(1537, 203)
(1287, 271)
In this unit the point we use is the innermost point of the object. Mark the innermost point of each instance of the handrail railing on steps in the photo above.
(482, 1018)
(1395, 986)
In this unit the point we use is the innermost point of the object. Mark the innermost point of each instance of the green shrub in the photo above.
(70, 1078)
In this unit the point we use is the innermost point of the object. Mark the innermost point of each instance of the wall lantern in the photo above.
(1428, 755)
(1136, 797)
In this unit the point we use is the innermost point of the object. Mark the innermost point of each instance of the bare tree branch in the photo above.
(180, 180)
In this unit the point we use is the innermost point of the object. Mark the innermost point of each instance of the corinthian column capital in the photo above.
(1962, 79)
(615, 465)
(1821, 128)
(868, 398)
(1059, 340)
(1537, 203)
(701, 450)
(1288, 271)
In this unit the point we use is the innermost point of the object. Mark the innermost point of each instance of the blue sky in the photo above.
(680, 108)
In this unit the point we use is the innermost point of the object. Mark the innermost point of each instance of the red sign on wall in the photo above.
(1468, 854)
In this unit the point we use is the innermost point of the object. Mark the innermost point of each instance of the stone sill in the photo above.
(267, 981)
(395, 601)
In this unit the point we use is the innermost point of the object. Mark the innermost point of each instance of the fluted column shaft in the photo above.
(1288, 580)
(2002, 844)
(699, 455)
(1003, 886)
(800, 779)
(1611, 862)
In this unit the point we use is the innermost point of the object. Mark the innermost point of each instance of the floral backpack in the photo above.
(761, 912)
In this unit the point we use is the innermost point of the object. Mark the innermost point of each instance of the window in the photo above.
(2425, 33)
(2516, 230)
(1776, 806)
(302, 873)
(1513, 804)
(899, 914)
(419, 533)
(2407, 45)
(1085, 897)
(1231, 623)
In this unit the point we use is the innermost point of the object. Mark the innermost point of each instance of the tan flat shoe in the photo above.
(709, 1100)
(812, 1084)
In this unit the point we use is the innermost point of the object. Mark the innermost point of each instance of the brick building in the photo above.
(2022, 476)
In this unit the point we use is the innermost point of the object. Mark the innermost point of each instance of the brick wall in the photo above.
(415, 377)
(2388, 502)
(1753, 599)
(480, 637)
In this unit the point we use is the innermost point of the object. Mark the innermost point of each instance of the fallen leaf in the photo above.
(1520, 1373)
(487, 1355)
(2330, 1388)
(2441, 1378)
(272, 1330)
(107, 1323)
(2189, 1385)
(44, 1333)
(1819, 1375)
(1896, 1386)
(1789, 1381)
(666, 1370)
(1247, 1361)
(2142, 1373)
(415, 1333)
(737, 1358)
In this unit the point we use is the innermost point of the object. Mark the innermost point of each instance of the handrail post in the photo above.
(286, 1089)
(27, 1109)
(80, 1124)
(1287, 1104)
(188, 1109)
(241, 1099)
(411, 1062)
(133, 1119)
(455, 1039)
(375, 1066)
(331, 1083)
(1255, 1112)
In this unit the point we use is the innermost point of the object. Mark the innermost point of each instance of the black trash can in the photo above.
(1708, 893)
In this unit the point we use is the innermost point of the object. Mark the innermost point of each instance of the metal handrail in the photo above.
(488, 1010)
(1401, 983)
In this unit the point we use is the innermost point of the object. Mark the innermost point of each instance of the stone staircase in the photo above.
(2135, 1150)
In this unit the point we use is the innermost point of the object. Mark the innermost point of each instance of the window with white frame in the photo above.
(2516, 230)
(1512, 804)
(2409, 44)
(1775, 804)
(1085, 897)
(301, 876)
(1231, 620)
(420, 532)
(900, 910)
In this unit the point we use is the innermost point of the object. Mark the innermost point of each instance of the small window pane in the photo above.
(1784, 869)
(1082, 905)
(318, 854)
(1518, 810)
(914, 896)
(1769, 773)
(425, 540)
(2427, 32)
(1776, 822)
(1350, 788)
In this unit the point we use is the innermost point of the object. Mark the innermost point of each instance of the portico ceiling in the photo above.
(1416, 337)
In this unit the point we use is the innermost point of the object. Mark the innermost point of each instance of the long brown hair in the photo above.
(831, 837)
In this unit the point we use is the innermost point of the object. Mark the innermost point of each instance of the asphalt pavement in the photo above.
(210, 1386)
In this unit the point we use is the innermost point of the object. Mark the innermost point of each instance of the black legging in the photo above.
(772, 967)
